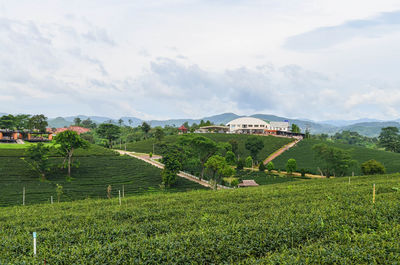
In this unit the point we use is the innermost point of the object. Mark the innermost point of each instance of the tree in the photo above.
(218, 166)
(270, 166)
(109, 131)
(261, 167)
(38, 158)
(333, 161)
(172, 166)
(120, 122)
(88, 123)
(77, 121)
(372, 167)
(291, 166)
(230, 158)
(21, 121)
(235, 145)
(249, 161)
(390, 139)
(254, 145)
(130, 122)
(204, 148)
(145, 128)
(68, 141)
(59, 191)
(159, 134)
(7, 122)
(295, 128)
(240, 164)
(38, 123)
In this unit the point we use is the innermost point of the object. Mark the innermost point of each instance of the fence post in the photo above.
(51, 199)
(34, 243)
(119, 196)
(373, 194)
(123, 191)
(23, 196)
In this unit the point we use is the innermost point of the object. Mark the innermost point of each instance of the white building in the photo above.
(252, 125)
(247, 125)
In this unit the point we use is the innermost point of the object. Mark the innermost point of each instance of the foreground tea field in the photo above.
(271, 143)
(305, 156)
(99, 167)
(325, 221)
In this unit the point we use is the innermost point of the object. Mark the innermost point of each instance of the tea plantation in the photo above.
(305, 156)
(99, 167)
(271, 143)
(321, 221)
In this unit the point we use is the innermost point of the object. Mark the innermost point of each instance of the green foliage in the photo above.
(38, 123)
(249, 161)
(274, 224)
(372, 167)
(67, 141)
(230, 158)
(254, 145)
(172, 165)
(150, 154)
(390, 139)
(334, 161)
(109, 131)
(295, 128)
(241, 164)
(145, 128)
(261, 167)
(37, 156)
(59, 191)
(77, 121)
(219, 168)
(291, 166)
(270, 166)
(306, 156)
(159, 134)
(88, 123)
(353, 138)
(235, 145)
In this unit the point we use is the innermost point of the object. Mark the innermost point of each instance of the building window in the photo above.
(250, 125)
(256, 125)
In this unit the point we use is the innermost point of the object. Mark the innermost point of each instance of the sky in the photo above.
(162, 59)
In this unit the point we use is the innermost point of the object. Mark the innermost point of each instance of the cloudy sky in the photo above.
(316, 59)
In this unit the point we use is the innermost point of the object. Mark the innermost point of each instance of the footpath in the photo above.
(152, 161)
(280, 151)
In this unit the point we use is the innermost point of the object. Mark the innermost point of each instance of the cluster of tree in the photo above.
(390, 139)
(354, 138)
(37, 156)
(87, 123)
(24, 122)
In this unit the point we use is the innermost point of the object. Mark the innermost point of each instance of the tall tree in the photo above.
(120, 122)
(88, 123)
(235, 145)
(38, 123)
(67, 142)
(77, 121)
(219, 167)
(159, 134)
(145, 128)
(22, 121)
(295, 128)
(172, 166)
(254, 145)
(37, 156)
(204, 148)
(109, 131)
(390, 139)
(333, 161)
(7, 122)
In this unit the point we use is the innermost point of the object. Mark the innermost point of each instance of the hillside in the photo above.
(271, 143)
(324, 221)
(305, 156)
(99, 167)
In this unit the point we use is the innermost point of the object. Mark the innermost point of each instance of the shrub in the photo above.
(303, 172)
(230, 158)
(270, 166)
(291, 166)
(372, 167)
(241, 163)
(151, 154)
(261, 167)
(249, 161)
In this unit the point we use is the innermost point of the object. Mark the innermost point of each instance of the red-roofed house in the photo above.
(183, 129)
(77, 129)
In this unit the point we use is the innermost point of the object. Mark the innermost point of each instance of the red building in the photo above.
(182, 129)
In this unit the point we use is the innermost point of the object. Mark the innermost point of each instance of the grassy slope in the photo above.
(99, 167)
(325, 221)
(306, 159)
(271, 143)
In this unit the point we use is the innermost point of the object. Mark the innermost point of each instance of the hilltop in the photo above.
(325, 221)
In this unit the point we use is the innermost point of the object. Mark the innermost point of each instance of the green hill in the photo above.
(323, 221)
(271, 143)
(99, 167)
(305, 156)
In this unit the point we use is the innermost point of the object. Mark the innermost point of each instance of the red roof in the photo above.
(182, 128)
(248, 183)
(77, 129)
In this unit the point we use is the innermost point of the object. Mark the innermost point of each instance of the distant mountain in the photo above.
(134, 121)
(370, 129)
(340, 123)
(2, 114)
(59, 122)
(96, 119)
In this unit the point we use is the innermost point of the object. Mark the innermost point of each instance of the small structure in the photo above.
(182, 129)
(11, 136)
(213, 128)
(77, 129)
(247, 125)
(248, 183)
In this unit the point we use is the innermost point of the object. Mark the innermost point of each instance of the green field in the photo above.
(99, 167)
(322, 221)
(271, 143)
(305, 157)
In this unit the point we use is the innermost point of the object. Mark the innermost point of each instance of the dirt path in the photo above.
(280, 151)
(182, 174)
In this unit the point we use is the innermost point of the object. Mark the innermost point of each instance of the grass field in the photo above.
(99, 167)
(305, 156)
(271, 143)
(324, 221)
